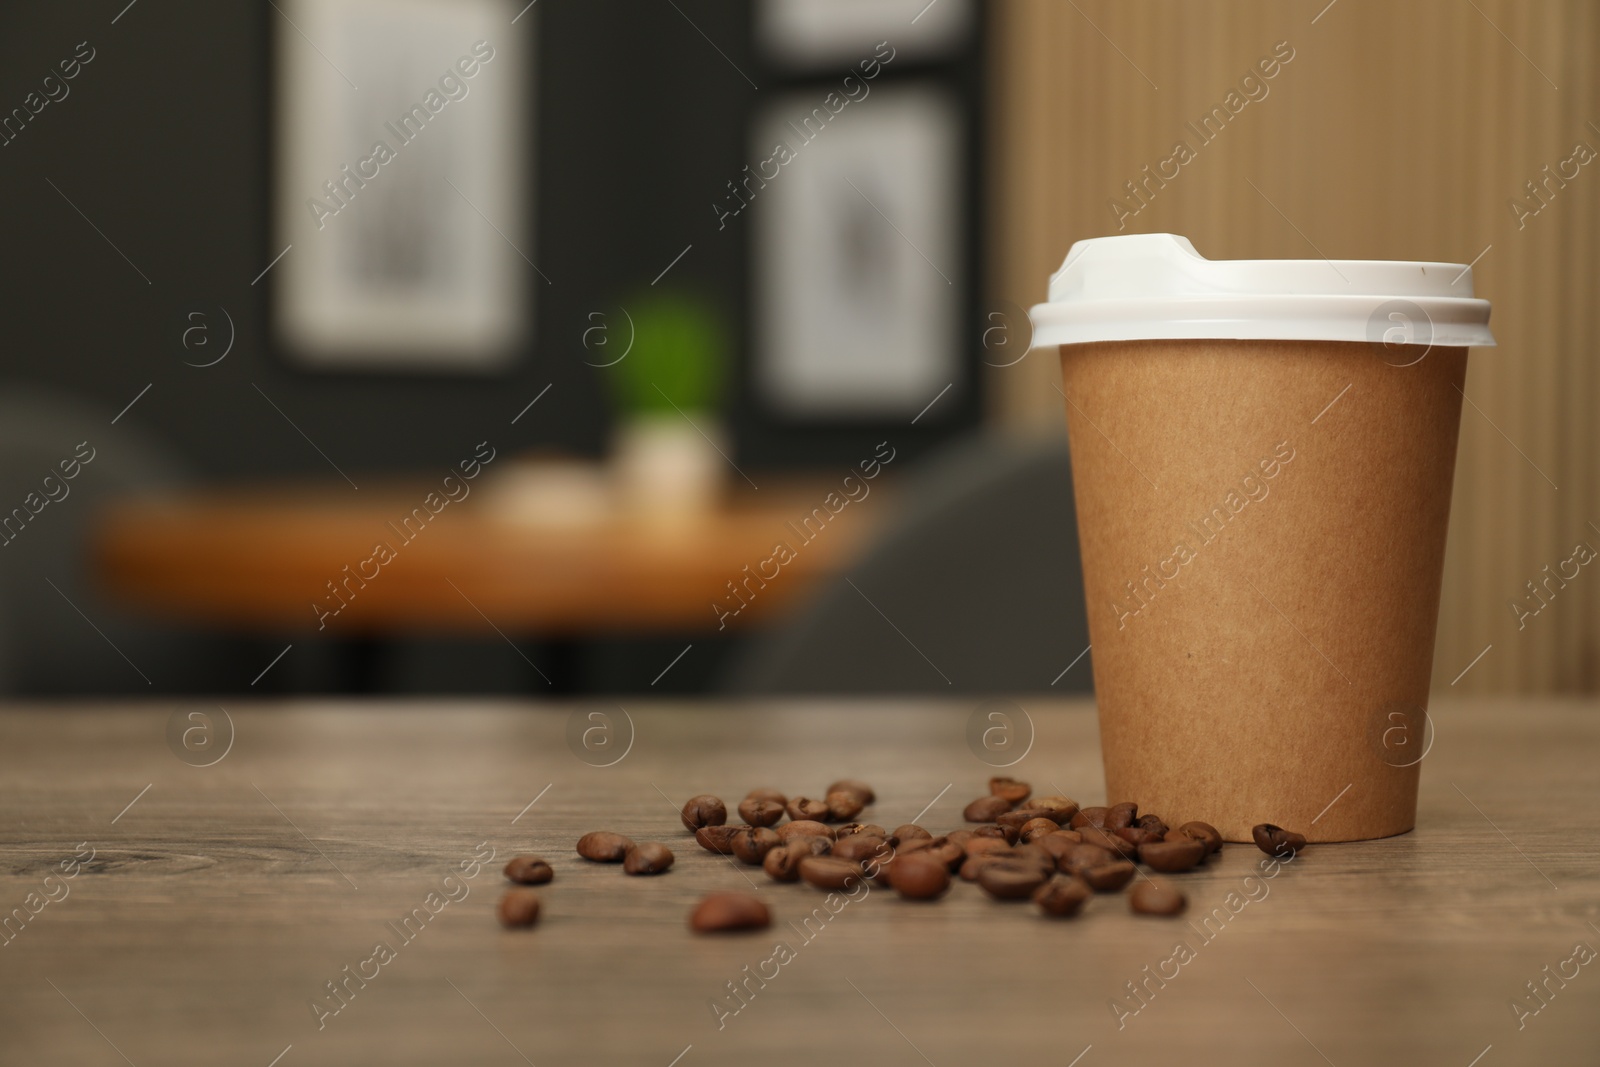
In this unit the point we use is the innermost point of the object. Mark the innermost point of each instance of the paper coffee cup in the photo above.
(1262, 456)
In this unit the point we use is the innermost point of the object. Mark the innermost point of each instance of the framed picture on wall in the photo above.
(402, 194)
(814, 33)
(859, 255)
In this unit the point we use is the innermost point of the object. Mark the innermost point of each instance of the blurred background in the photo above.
(431, 346)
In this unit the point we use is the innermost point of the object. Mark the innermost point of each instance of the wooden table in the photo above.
(260, 559)
(221, 899)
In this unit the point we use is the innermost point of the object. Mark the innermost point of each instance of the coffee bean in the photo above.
(978, 846)
(992, 830)
(1156, 897)
(1062, 895)
(1013, 791)
(757, 812)
(752, 843)
(843, 805)
(519, 907)
(1059, 842)
(767, 794)
(1089, 817)
(1276, 841)
(829, 872)
(948, 852)
(816, 844)
(725, 911)
(647, 857)
(1106, 839)
(1083, 856)
(1201, 831)
(908, 832)
(1035, 828)
(1059, 808)
(703, 810)
(804, 828)
(1152, 824)
(849, 829)
(782, 864)
(920, 876)
(804, 808)
(1137, 835)
(1120, 815)
(1015, 820)
(603, 846)
(529, 870)
(972, 865)
(853, 785)
(1009, 879)
(1035, 854)
(861, 847)
(960, 837)
(986, 809)
(716, 838)
(1110, 877)
(1171, 857)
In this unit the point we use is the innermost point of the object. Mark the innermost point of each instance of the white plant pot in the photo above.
(668, 467)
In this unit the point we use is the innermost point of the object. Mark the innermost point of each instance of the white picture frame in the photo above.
(817, 33)
(415, 258)
(859, 258)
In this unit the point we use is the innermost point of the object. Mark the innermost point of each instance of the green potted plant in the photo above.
(669, 446)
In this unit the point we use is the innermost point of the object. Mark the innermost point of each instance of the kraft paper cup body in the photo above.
(1262, 526)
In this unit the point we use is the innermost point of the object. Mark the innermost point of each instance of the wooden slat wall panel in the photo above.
(1398, 131)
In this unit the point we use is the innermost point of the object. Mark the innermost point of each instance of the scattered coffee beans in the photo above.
(519, 907)
(1203, 832)
(1109, 877)
(1010, 879)
(782, 864)
(1036, 828)
(986, 809)
(718, 912)
(861, 789)
(1108, 840)
(920, 876)
(1120, 815)
(830, 872)
(1156, 897)
(804, 828)
(1013, 791)
(529, 870)
(802, 808)
(1059, 808)
(703, 811)
(603, 846)
(861, 847)
(1089, 817)
(1276, 841)
(752, 843)
(852, 828)
(1062, 895)
(1152, 824)
(647, 857)
(716, 838)
(1171, 857)
(758, 812)
(843, 805)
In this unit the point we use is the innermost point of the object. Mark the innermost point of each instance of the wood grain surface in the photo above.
(221, 899)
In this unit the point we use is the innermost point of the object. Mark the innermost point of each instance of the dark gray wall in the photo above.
(162, 143)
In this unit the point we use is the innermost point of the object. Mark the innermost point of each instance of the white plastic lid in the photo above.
(1156, 286)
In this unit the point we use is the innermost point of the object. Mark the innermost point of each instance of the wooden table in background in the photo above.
(259, 560)
(221, 900)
